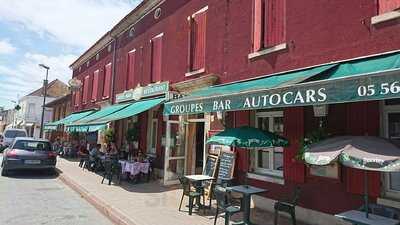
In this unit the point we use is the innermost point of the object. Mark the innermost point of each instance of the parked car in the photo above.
(28, 153)
(11, 133)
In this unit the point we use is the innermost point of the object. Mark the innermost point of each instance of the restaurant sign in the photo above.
(384, 85)
(142, 92)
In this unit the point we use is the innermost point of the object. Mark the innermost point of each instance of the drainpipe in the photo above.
(114, 65)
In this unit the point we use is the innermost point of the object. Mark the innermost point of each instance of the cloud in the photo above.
(27, 76)
(76, 23)
(6, 47)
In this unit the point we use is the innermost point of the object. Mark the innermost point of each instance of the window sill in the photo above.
(267, 51)
(196, 72)
(105, 97)
(267, 177)
(388, 202)
(385, 17)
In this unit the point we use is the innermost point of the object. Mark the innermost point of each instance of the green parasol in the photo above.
(248, 137)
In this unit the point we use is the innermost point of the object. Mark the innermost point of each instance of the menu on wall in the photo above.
(226, 164)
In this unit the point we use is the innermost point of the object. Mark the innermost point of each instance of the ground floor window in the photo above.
(268, 161)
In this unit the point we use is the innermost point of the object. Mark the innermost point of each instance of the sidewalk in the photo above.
(142, 204)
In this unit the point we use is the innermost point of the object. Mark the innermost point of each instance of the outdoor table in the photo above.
(359, 218)
(134, 168)
(197, 179)
(247, 192)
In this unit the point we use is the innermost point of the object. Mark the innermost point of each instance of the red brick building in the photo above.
(197, 43)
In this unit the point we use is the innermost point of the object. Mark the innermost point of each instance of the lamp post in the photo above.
(44, 97)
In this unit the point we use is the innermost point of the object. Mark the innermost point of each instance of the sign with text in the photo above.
(226, 165)
(142, 92)
(356, 88)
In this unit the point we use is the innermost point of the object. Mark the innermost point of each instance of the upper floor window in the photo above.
(268, 24)
(131, 63)
(107, 81)
(197, 40)
(156, 55)
(85, 89)
(95, 86)
(388, 5)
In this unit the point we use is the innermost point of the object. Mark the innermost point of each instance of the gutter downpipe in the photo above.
(114, 69)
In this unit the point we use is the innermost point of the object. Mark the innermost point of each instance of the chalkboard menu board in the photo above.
(211, 166)
(226, 165)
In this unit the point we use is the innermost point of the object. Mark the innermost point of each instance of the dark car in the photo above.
(28, 153)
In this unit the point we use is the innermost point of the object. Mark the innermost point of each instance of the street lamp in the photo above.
(44, 97)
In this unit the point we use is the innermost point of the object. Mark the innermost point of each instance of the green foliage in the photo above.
(132, 134)
(109, 135)
(17, 107)
(311, 138)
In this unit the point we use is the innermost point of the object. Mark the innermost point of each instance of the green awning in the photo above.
(67, 120)
(363, 79)
(133, 109)
(99, 114)
(86, 128)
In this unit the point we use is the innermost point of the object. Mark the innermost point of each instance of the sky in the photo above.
(52, 32)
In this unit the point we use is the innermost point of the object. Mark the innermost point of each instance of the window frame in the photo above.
(271, 171)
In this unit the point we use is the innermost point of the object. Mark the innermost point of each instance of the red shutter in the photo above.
(388, 5)
(189, 65)
(131, 69)
(362, 119)
(199, 40)
(274, 23)
(86, 90)
(78, 97)
(107, 81)
(95, 85)
(156, 56)
(294, 132)
(257, 24)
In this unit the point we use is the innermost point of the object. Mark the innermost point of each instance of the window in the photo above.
(197, 40)
(388, 5)
(269, 160)
(31, 110)
(152, 131)
(95, 85)
(107, 81)
(156, 55)
(131, 69)
(268, 24)
(85, 90)
(77, 98)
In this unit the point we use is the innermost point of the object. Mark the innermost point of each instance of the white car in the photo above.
(10, 135)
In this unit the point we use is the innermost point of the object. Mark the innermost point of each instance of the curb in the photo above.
(113, 214)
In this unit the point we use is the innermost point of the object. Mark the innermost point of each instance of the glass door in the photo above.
(174, 164)
(393, 133)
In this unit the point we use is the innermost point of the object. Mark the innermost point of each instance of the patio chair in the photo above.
(382, 210)
(288, 207)
(190, 193)
(111, 168)
(223, 204)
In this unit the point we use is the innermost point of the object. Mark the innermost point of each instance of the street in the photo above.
(34, 197)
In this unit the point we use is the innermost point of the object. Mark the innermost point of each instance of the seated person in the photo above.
(82, 153)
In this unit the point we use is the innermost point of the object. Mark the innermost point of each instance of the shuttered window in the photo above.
(95, 85)
(268, 23)
(85, 89)
(197, 40)
(107, 81)
(388, 5)
(156, 56)
(131, 69)
(77, 98)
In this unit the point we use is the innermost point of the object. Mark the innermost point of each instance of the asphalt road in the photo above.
(39, 198)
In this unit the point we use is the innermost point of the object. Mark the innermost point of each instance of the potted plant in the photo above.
(132, 136)
(311, 138)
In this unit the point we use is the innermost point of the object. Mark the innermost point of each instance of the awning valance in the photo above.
(364, 79)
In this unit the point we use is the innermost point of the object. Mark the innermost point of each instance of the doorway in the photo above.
(195, 145)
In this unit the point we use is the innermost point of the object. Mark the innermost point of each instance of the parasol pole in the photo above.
(366, 193)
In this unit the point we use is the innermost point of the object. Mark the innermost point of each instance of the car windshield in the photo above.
(14, 133)
(32, 145)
